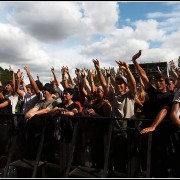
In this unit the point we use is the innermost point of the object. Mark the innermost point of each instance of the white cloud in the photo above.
(36, 32)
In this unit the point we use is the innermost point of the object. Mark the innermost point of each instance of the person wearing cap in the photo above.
(122, 102)
(158, 108)
(31, 97)
(43, 106)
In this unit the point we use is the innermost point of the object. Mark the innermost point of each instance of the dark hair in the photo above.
(160, 75)
(39, 84)
(8, 82)
(48, 87)
(69, 90)
(29, 86)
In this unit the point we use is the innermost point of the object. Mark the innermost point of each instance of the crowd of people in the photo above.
(117, 95)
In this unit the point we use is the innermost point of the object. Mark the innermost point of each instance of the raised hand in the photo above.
(19, 74)
(27, 69)
(67, 69)
(96, 64)
(122, 65)
(63, 70)
(38, 77)
(108, 72)
(93, 73)
(83, 73)
(78, 72)
(52, 69)
(10, 68)
(137, 55)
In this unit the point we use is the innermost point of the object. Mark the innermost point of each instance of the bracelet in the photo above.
(108, 75)
(92, 81)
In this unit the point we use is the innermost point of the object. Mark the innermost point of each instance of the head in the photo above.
(55, 85)
(171, 85)
(121, 84)
(2, 92)
(47, 90)
(9, 87)
(161, 82)
(99, 93)
(39, 84)
(140, 87)
(68, 95)
(29, 89)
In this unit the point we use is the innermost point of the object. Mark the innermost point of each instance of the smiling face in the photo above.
(67, 97)
(121, 87)
(9, 88)
(160, 84)
(99, 92)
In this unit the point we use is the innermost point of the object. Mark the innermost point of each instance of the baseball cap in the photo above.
(120, 77)
(48, 87)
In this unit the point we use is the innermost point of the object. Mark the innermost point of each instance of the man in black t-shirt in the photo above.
(5, 121)
(158, 109)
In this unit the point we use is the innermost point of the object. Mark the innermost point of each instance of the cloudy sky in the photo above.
(72, 33)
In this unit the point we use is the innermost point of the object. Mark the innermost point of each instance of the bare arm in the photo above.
(86, 83)
(32, 112)
(33, 83)
(159, 118)
(174, 114)
(132, 81)
(55, 76)
(101, 77)
(20, 92)
(23, 84)
(92, 76)
(69, 75)
(140, 70)
(13, 78)
(64, 79)
(4, 104)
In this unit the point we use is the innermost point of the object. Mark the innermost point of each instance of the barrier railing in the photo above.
(15, 121)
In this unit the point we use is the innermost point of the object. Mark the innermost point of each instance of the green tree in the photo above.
(5, 75)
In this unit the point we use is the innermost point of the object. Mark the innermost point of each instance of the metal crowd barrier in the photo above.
(16, 120)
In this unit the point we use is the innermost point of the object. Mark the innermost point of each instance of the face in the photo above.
(121, 87)
(54, 86)
(46, 93)
(9, 88)
(67, 97)
(171, 86)
(99, 93)
(139, 88)
(160, 84)
(29, 90)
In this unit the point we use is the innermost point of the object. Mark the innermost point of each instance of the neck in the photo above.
(69, 102)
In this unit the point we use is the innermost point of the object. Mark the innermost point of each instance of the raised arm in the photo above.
(86, 82)
(101, 77)
(64, 79)
(140, 70)
(92, 76)
(19, 76)
(32, 82)
(13, 78)
(55, 76)
(130, 77)
(70, 77)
